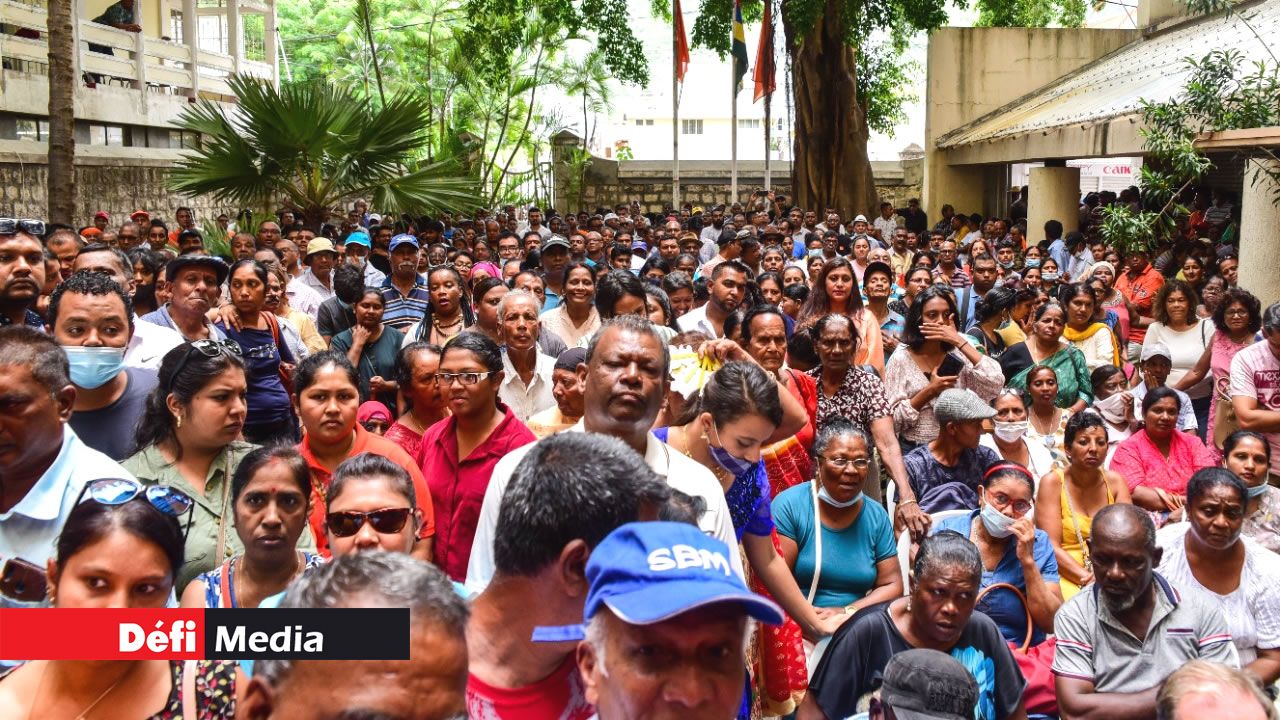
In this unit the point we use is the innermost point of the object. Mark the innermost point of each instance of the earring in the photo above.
(179, 419)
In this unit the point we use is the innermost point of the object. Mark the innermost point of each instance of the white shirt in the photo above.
(149, 344)
(526, 401)
(524, 229)
(30, 529)
(886, 226)
(373, 277)
(306, 292)
(1041, 460)
(696, 321)
(681, 473)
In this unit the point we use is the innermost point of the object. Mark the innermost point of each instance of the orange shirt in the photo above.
(365, 442)
(1141, 291)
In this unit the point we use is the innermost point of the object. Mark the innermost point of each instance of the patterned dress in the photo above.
(215, 691)
(216, 596)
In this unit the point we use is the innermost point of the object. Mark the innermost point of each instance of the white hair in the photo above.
(516, 295)
(596, 633)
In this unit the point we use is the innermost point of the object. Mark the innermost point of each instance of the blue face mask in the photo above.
(825, 497)
(996, 522)
(733, 464)
(815, 253)
(93, 367)
(1032, 262)
(1257, 491)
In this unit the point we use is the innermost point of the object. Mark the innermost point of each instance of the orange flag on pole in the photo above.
(764, 74)
(682, 43)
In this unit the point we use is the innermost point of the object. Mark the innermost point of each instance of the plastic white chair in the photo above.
(904, 542)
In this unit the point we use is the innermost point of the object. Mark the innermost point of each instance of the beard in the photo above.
(1118, 605)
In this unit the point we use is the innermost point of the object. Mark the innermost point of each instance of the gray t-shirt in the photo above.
(110, 430)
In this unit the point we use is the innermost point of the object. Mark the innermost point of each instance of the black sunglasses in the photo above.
(385, 522)
(11, 226)
(209, 349)
(118, 491)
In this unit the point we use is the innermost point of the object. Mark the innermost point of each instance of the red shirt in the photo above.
(365, 442)
(559, 695)
(457, 486)
(1141, 291)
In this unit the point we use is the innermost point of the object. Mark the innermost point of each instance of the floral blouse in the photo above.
(1264, 525)
(860, 399)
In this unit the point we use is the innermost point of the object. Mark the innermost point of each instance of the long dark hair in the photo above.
(736, 390)
(819, 303)
(198, 370)
(911, 335)
(91, 521)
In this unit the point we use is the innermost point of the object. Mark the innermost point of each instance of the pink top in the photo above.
(1141, 464)
(1122, 324)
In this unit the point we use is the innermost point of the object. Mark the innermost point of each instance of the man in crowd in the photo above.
(945, 473)
(92, 319)
(508, 246)
(694, 618)
(432, 683)
(625, 381)
(149, 341)
(1156, 365)
(899, 254)
(535, 225)
(43, 463)
(129, 235)
(243, 245)
(884, 224)
(337, 314)
(1255, 386)
(22, 273)
(1203, 689)
(195, 285)
(567, 390)
(320, 260)
(711, 234)
(405, 292)
(527, 378)
(1118, 639)
(65, 244)
(555, 511)
(949, 271)
(728, 286)
(729, 247)
(944, 224)
(555, 256)
(357, 248)
(1139, 284)
(914, 218)
(984, 274)
(268, 233)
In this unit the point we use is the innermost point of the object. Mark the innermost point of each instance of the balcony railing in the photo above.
(113, 56)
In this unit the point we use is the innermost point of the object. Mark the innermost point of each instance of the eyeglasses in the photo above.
(118, 491)
(841, 463)
(209, 349)
(467, 378)
(384, 522)
(11, 226)
(1001, 500)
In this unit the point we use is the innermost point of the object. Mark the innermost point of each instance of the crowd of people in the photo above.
(715, 463)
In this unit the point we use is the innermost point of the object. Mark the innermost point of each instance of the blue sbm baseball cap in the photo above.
(648, 572)
(402, 239)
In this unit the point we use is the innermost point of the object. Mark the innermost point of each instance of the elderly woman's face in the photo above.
(842, 467)
(1217, 516)
(942, 601)
(835, 345)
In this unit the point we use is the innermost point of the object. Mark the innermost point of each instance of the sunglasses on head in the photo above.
(386, 521)
(118, 491)
(11, 226)
(209, 349)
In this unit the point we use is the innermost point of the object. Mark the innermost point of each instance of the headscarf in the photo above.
(373, 410)
(493, 270)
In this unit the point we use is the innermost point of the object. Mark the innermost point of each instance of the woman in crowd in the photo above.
(120, 549)
(372, 505)
(934, 356)
(1020, 317)
(1013, 551)
(1237, 320)
(991, 313)
(448, 308)
(372, 348)
(1046, 422)
(482, 270)
(737, 413)
(773, 260)
(416, 370)
(188, 440)
(849, 392)
(482, 252)
(685, 263)
(834, 291)
(1193, 272)
(1113, 401)
(1045, 346)
(654, 269)
(1248, 455)
(459, 452)
(1031, 278)
(839, 546)
(1067, 500)
(1050, 275)
(1211, 294)
(298, 328)
(576, 318)
(770, 284)
(148, 266)
(1158, 460)
(814, 265)
(925, 258)
(463, 261)
(658, 306)
(947, 573)
(488, 294)
(1093, 339)
(1229, 269)
(270, 496)
(1187, 337)
(374, 417)
(326, 396)
(1009, 434)
(915, 281)
(1112, 299)
(794, 275)
(861, 249)
(764, 337)
(1209, 554)
(679, 289)
(266, 356)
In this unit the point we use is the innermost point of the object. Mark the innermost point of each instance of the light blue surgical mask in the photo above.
(1032, 263)
(996, 522)
(825, 497)
(93, 367)
(815, 253)
(1257, 491)
(1049, 277)
(732, 463)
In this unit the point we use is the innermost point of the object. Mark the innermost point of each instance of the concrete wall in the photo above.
(974, 71)
(118, 180)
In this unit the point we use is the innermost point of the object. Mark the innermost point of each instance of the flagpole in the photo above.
(675, 110)
(768, 155)
(733, 137)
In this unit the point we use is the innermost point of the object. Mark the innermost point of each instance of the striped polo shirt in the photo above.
(404, 310)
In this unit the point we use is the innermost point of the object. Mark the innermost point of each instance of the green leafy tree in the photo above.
(312, 146)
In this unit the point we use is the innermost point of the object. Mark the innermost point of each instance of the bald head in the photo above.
(1124, 523)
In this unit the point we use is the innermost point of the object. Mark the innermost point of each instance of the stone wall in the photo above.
(118, 185)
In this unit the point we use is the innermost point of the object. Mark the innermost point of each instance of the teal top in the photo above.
(849, 556)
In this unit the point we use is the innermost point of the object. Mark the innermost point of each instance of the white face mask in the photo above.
(1010, 431)
(1112, 408)
(996, 522)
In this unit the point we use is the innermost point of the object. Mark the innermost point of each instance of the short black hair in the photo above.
(39, 353)
(947, 548)
(553, 499)
(614, 286)
(89, 283)
(1205, 479)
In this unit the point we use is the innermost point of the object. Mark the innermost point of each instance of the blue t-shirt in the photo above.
(268, 400)
(849, 556)
(1001, 605)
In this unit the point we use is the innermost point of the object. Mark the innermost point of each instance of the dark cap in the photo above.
(570, 359)
(880, 267)
(176, 265)
(928, 685)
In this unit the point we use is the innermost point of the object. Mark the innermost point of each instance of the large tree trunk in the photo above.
(62, 113)
(830, 166)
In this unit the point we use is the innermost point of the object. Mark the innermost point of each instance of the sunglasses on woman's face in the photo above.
(387, 521)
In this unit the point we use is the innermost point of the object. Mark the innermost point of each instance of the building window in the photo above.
(109, 135)
(183, 140)
(691, 127)
(175, 26)
(32, 130)
(643, 122)
(748, 123)
(254, 32)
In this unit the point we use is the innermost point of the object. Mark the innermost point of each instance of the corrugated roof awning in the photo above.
(1153, 68)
